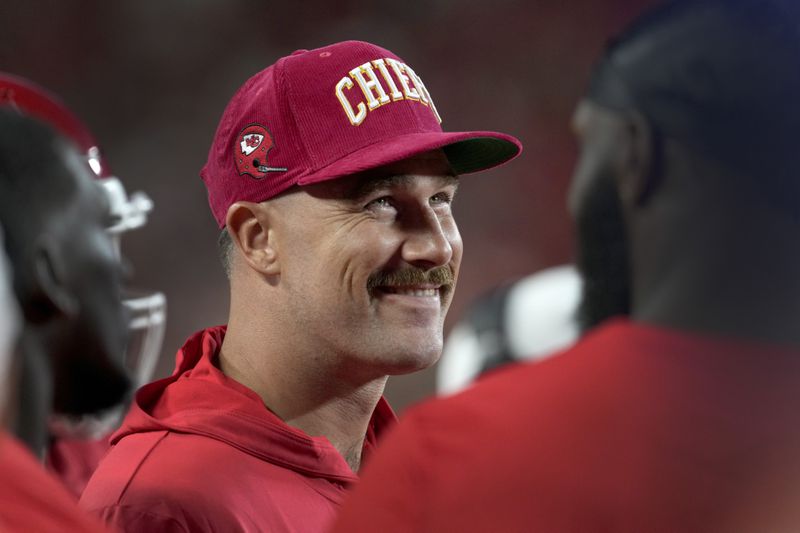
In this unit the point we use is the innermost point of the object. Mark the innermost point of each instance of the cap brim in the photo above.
(467, 152)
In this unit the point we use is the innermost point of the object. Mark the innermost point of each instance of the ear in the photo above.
(638, 168)
(50, 294)
(249, 226)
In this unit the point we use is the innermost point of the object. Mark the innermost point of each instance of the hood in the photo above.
(199, 399)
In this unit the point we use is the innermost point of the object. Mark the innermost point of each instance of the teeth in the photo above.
(415, 292)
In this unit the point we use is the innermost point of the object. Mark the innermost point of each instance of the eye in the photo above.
(441, 198)
(384, 202)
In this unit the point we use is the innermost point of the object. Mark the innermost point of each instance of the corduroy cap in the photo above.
(322, 114)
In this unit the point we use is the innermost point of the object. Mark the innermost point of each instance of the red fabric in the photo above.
(74, 461)
(634, 429)
(32, 500)
(201, 452)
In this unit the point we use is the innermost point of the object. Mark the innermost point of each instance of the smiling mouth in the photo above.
(420, 292)
(413, 282)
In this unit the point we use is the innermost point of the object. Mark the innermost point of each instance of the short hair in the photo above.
(34, 183)
(720, 76)
(226, 250)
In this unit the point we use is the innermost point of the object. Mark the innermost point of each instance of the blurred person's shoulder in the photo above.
(504, 393)
(500, 445)
(514, 403)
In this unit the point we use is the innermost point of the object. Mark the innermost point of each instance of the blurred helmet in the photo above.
(147, 308)
(527, 320)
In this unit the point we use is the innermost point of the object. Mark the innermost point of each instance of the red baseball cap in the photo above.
(323, 114)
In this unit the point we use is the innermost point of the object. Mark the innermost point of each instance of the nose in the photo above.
(428, 242)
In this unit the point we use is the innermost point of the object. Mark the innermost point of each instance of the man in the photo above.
(332, 181)
(77, 442)
(67, 280)
(683, 417)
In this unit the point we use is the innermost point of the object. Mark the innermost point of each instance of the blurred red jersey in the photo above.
(74, 461)
(32, 500)
(636, 428)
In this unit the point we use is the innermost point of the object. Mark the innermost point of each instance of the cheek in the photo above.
(346, 262)
(580, 183)
(594, 165)
(99, 268)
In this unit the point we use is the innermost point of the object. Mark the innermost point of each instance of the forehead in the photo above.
(432, 164)
(404, 173)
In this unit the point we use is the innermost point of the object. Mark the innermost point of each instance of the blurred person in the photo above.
(76, 443)
(681, 417)
(332, 182)
(529, 319)
(66, 277)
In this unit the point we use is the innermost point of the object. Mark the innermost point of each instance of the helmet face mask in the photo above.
(147, 312)
(128, 213)
(146, 308)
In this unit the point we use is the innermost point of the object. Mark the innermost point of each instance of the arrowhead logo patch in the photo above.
(250, 152)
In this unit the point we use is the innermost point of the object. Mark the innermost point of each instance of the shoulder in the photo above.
(503, 443)
(149, 482)
(522, 408)
(155, 478)
(166, 481)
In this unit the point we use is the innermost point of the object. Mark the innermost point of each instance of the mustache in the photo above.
(442, 275)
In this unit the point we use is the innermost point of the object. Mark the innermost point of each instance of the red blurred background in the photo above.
(151, 80)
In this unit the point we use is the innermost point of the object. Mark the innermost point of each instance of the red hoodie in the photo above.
(200, 452)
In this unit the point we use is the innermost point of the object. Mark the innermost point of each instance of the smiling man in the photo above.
(332, 182)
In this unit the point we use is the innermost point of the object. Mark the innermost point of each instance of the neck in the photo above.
(734, 276)
(343, 419)
(306, 390)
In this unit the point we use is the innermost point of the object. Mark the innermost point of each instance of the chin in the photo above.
(414, 358)
(83, 389)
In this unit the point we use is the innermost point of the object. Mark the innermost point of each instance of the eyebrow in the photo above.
(368, 186)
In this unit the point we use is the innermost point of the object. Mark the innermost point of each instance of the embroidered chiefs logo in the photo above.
(250, 152)
(250, 142)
